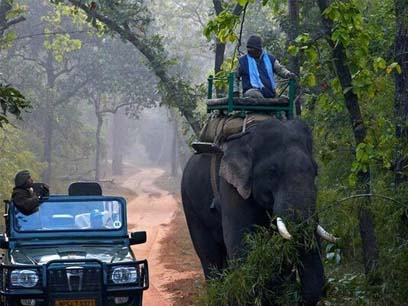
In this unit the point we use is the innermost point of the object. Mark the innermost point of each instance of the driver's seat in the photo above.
(85, 189)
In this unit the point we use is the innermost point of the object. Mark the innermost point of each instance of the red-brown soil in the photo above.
(154, 206)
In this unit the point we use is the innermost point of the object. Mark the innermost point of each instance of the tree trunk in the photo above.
(47, 157)
(157, 63)
(99, 120)
(401, 89)
(219, 46)
(98, 147)
(117, 152)
(5, 7)
(174, 149)
(219, 49)
(293, 15)
(369, 239)
(219, 56)
(48, 124)
(5, 22)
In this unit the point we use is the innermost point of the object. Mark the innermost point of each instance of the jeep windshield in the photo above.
(69, 216)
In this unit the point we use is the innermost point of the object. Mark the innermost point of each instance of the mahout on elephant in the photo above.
(268, 170)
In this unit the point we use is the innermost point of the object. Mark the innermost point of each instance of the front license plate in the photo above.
(88, 302)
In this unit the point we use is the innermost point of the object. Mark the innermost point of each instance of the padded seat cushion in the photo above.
(247, 101)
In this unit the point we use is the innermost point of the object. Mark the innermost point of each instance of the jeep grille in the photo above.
(65, 278)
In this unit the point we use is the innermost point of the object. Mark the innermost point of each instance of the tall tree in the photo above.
(12, 101)
(401, 88)
(131, 29)
(118, 144)
(370, 247)
(219, 45)
(115, 85)
(293, 32)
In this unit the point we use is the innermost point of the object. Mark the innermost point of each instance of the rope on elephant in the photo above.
(215, 164)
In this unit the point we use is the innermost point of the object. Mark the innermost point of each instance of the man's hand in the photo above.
(292, 76)
(46, 188)
(44, 191)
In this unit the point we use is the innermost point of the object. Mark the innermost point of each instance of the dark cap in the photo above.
(254, 42)
(21, 177)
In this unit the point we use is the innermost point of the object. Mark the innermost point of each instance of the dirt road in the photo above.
(155, 210)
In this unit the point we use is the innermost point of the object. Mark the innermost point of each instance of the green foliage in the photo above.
(61, 43)
(347, 289)
(223, 27)
(355, 33)
(347, 283)
(16, 10)
(268, 258)
(10, 11)
(366, 31)
(359, 32)
(182, 95)
(221, 78)
(8, 39)
(11, 102)
(15, 155)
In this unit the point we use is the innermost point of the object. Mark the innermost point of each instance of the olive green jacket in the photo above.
(27, 202)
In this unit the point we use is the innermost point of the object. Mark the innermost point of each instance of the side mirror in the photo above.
(137, 237)
(4, 244)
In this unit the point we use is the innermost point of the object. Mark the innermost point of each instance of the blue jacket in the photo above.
(267, 91)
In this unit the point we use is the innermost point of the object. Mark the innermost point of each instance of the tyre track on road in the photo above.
(151, 210)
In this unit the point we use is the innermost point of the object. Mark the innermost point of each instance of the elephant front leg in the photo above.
(239, 217)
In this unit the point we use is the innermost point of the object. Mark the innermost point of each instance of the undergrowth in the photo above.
(265, 275)
(270, 260)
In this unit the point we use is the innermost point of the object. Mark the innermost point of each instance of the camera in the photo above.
(41, 190)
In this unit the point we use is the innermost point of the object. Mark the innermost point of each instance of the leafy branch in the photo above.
(152, 49)
(12, 102)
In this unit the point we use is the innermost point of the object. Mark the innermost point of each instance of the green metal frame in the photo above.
(230, 107)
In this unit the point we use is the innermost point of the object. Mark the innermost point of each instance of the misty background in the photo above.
(96, 104)
(115, 86)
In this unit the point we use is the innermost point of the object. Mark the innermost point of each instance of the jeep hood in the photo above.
(42, 255)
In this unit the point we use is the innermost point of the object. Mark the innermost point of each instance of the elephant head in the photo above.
(273, 164)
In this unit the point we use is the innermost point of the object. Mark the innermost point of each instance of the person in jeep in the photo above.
(256, 70)
(26, 195)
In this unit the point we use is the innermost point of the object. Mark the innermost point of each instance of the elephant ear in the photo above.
(236, 165)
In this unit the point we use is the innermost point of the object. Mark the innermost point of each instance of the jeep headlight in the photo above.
(24, 278)
(124, 275)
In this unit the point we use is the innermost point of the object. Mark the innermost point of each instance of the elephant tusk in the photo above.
(325, 234)
(282, 229)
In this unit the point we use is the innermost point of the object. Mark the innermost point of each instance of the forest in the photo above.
(89, 87)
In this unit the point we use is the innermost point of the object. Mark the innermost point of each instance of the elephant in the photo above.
(268, 169)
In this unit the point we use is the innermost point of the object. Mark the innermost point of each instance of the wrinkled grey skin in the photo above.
(267, 170)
